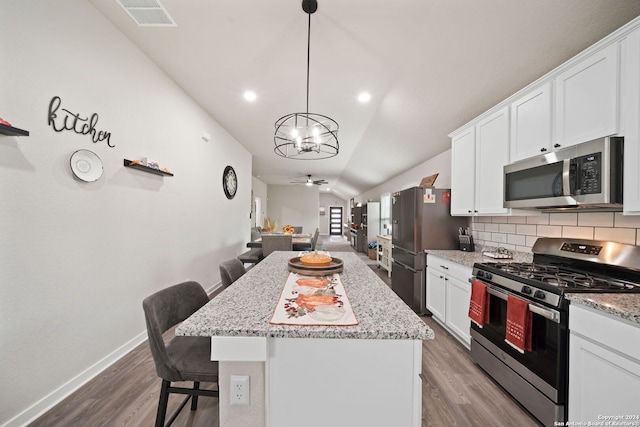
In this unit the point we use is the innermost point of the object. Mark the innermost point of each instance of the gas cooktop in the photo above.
(561, 277)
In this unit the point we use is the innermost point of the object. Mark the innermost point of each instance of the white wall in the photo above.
(295, 205)
(440, 164)
(259, 190)
(77, 258)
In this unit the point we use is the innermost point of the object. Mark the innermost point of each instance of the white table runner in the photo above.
(313, 300)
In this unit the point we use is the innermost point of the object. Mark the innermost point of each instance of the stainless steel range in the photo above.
(538, 379)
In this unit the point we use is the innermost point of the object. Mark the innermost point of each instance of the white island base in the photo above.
(322, 382)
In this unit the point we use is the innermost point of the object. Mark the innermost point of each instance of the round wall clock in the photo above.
(229, 182)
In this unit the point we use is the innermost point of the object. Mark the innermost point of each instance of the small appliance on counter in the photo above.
(499, 253)
(465, 240)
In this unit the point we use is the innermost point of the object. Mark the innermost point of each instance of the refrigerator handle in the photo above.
(399, 249)
(405, 266)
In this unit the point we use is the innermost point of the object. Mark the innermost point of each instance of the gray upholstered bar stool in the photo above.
(230, 271)
(183, 358)
(276, 242)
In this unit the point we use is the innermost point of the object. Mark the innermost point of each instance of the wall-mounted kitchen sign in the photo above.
(66, 120)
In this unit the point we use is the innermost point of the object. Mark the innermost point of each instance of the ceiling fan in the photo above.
(310, 181)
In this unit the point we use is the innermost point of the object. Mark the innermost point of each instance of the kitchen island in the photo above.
(366, 374)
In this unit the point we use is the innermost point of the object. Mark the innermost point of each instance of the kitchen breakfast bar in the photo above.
(363, 374)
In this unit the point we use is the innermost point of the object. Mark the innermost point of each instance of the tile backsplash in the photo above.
(521, 232)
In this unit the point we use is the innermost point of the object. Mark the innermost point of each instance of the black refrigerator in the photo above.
(421, 219)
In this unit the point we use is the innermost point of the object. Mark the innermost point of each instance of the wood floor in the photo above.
(455, 392)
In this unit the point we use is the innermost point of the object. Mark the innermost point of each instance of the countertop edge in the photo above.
(622, 306)
(469, 258)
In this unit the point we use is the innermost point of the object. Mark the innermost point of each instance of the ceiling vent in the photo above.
(147, 13)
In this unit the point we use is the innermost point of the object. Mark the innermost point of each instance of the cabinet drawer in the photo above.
(459, 271)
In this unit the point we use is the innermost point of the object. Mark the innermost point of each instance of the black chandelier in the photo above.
(306, 136)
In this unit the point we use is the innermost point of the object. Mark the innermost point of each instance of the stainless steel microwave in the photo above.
(587, 175)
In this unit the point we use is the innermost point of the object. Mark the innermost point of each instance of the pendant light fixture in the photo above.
(306, 136)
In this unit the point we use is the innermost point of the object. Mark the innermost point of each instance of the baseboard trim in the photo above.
(36, 410)
(40, 407)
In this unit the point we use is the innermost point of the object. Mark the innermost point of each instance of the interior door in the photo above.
(335, 220)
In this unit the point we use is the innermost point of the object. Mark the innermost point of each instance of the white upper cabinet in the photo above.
(463, 167)
(492, 154)
(478, 154)
(531, 124)
(630, 123)
(586, 99)
(594, 95)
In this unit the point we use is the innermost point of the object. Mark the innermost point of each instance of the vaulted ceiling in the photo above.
(429, 65)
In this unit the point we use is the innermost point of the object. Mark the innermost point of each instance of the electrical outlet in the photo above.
(239, 389)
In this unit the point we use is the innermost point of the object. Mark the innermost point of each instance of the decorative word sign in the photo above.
(75, 122)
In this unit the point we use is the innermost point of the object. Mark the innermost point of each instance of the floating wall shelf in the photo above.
(155, 171)
(10, 130)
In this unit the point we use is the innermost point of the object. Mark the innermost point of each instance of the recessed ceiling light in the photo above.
(250, 96)
(364, 97)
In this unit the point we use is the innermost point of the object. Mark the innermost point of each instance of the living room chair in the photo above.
(230, 271)
(276, 242)
(182, 358)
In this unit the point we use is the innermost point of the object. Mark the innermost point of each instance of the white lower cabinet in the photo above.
(448, 293)
(604, 368)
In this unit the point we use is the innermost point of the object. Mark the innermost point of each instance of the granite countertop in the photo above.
(245, 308)
(624, 306)
(470, 258)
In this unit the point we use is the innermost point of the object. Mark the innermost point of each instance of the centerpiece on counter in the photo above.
(315, 259)
(315, 264)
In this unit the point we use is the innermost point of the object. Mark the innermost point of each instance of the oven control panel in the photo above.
(581, 249)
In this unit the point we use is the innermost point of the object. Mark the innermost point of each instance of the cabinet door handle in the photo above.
(542, 150)
(442, 277)
(470, 211)
(445, 267)
(556, 145)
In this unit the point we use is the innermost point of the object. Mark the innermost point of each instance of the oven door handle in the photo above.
(534, 308)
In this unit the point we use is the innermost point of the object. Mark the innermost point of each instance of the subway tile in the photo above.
(563, 218)
(577, 232)
(478, 226)
(622, 235)
(483, 235)
(626, 221)
(499, 237)
(531, 240)
(595, 219)
(526, 229)
(516, 239)
(492, 227)
(498, 219)
(482, 218)
(508, 228)
(523, 249)
(542, 219)
(549, 231)
(517, 219)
